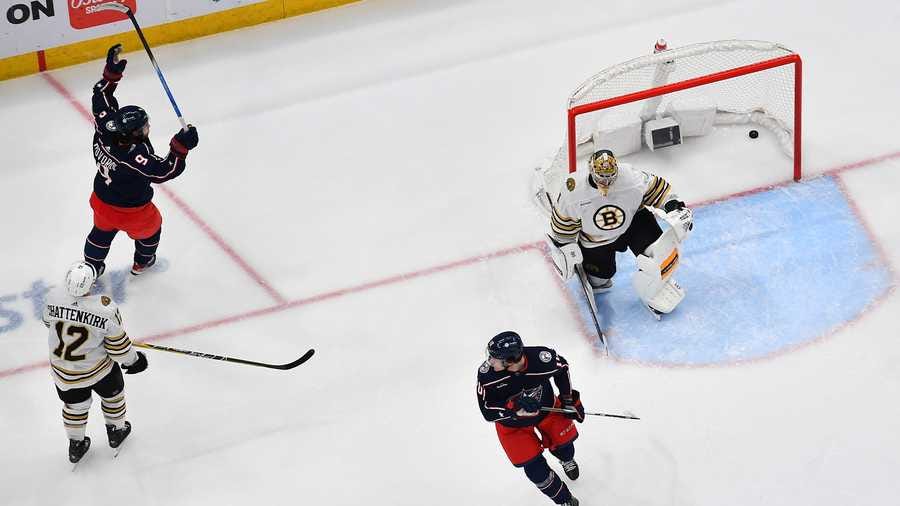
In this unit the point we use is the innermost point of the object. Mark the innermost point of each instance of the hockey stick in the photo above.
(124, 9)
(588, 292)
(282, 367)
(569, 411)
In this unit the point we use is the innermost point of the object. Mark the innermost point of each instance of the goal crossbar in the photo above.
(791, 59)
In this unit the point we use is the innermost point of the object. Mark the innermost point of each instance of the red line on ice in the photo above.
(533, 246)
(310, 300)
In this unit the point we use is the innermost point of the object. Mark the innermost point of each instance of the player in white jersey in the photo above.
(88, 343)
(608, 209)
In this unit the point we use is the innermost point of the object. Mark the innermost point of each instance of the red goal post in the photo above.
(744, 81)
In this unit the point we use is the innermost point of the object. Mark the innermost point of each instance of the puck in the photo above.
(754, 134)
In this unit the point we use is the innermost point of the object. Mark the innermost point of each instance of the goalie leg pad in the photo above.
(653, 281)
(660, 297)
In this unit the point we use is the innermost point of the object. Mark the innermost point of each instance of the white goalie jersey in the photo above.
(86, 336)
(581, 212)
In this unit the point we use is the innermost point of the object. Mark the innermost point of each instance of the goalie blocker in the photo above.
(565, 257)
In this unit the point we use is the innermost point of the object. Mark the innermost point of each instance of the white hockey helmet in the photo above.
(80, 278)
(604, 167)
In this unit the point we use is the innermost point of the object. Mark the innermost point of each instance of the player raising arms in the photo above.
(608, 209)
(513, 387)
(126, 166)
(87, 344)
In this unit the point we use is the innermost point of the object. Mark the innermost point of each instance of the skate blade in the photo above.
(75, 465)
(118, 449)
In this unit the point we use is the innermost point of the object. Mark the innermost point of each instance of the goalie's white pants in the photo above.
(653, 281)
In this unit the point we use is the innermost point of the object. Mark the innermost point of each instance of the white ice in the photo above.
(366, 164)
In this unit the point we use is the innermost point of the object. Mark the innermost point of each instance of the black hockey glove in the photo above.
(528, 404)
(137, 366)
(114, 66)
(573, 402)
(184, 141)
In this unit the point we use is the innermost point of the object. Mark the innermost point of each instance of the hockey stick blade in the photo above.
(113, 6)
(306, 356)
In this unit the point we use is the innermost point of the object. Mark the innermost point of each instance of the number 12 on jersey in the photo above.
(66, 351)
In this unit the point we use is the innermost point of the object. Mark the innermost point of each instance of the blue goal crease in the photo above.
(764, 272)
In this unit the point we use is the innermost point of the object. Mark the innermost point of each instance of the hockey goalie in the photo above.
(609, 208)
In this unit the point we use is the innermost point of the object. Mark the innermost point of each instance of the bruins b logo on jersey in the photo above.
(609, 217)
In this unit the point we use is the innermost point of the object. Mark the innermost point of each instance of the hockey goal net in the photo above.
(673, 94)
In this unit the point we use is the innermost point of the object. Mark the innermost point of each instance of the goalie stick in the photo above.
(592, 303)
(124, 9)
(627, 416)
(282, 367)
(588, 293)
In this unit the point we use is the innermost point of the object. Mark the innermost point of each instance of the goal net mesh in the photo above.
(728, 74)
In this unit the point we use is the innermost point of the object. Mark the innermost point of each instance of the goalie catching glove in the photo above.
(565, 257)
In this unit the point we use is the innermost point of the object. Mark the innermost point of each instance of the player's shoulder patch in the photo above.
(545, 356)
(570, 184)
(105, 300)
(485, 367)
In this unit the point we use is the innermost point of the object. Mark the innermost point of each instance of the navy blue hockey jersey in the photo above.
(125, 171)
(497, 391)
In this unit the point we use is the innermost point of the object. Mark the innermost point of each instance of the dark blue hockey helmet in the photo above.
(506, 346)
(131, 123)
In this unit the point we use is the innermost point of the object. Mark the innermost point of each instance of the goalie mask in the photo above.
(603, 167)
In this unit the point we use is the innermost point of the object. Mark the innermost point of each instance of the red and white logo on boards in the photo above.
(84, 13)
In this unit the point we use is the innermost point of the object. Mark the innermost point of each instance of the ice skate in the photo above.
(138, 269)
(601, 286)
(571, 469)
(77, 449)
(116, 436)
(656, 314)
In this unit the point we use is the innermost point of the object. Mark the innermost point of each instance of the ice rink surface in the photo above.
(361, 187)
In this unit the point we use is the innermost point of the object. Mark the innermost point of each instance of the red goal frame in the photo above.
(791, 59)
